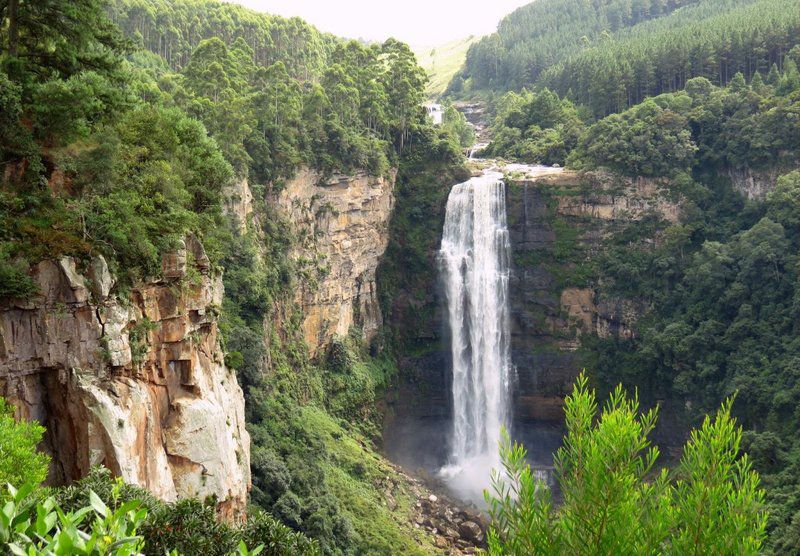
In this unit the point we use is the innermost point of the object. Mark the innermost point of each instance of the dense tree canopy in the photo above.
(173, 29)
(537, 127)
(612, 55)
(540, 34)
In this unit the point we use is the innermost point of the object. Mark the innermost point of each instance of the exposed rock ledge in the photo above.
(139, 386)
(342, 227)
(755, 184)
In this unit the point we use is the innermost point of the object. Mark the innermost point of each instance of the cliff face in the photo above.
(139, 385)
(754, 184)
(557, 226)
(342, 229)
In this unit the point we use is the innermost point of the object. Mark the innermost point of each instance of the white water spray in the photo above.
(475, 266)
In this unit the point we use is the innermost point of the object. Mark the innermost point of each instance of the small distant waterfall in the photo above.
(475, 149)
(475, 268)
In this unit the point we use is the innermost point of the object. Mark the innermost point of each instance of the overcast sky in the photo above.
(418, 22)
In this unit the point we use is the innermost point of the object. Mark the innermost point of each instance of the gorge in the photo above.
(253, 298)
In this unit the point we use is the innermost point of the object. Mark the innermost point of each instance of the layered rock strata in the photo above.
(138, 384)
(558, 225)
(341, 228)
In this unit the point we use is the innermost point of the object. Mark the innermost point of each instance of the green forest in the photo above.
(124, 122)
(609, 56)
(122, 125)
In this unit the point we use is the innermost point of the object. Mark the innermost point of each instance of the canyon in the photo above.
(136, 380)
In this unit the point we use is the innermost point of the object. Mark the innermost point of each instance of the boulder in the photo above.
(440, 542)
(173, 263)
(195, 247)
(101, 279)
(76, 282)
(471, 531)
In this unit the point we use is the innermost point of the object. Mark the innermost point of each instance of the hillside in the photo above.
(713, 39)
(172, 29)
(441, 62)
(538, 35)
(610, 56)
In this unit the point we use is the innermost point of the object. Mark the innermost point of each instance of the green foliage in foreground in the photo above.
(98, 515)
(35, 524)
(20, 462)
(31, 528)
(614, 502)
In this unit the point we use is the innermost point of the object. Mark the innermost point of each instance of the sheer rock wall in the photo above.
(137, 385)
(342, 227)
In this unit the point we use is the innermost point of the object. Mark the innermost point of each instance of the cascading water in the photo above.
(474, 260)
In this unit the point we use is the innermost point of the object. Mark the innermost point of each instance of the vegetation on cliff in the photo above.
(735, 127)
(108, 147)
(720, 285)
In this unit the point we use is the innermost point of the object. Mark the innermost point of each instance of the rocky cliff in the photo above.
(341, 228)
(754, 184)
(135, 383)
(558, 225)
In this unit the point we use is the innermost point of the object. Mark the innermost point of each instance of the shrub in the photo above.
(190, 527)
(32, 528)
(277, 539)
(19, 460)
(613, 501)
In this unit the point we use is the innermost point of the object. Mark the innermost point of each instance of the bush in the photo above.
(614, 503)
(20, 462)
(190, 527)
(187, 526)
(31, 528)
(277, 539)
(14, 280)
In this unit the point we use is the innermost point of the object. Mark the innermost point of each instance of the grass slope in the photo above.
(442, 62)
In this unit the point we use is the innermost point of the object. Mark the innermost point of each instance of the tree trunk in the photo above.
(13, 27)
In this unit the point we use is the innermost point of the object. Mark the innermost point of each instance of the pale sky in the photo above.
(417, 22)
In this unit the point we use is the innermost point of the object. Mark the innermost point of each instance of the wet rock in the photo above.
(471, 531)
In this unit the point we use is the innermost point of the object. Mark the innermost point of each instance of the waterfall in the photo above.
(474, 260)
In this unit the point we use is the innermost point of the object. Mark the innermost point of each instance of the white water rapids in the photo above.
(474, 259)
